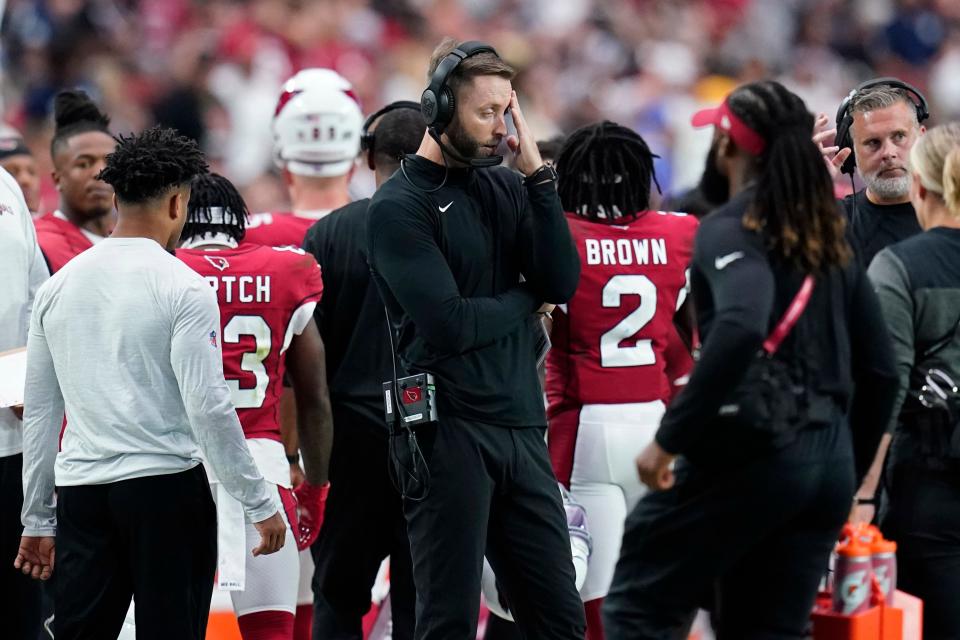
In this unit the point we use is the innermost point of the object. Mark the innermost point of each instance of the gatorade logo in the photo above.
(855, 589)
(883, 578)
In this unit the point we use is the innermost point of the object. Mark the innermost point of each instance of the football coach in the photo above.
(465, 253)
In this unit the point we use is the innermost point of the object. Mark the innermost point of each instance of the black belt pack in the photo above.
(772, 397)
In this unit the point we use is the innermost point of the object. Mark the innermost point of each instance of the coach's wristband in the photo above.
(546, 173)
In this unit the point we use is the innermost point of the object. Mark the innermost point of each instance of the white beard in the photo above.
(888, 188)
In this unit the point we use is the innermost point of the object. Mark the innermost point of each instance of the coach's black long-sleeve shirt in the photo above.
(449, 264)
(740, 293)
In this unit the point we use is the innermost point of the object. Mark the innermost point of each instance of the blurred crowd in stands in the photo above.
(213, 68)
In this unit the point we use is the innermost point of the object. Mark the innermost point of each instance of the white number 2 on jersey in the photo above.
(252, 362)
(641, 354)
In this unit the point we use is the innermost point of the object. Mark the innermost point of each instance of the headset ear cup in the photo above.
(369, 150)
(447, 107)
(429, 106)
(845, 141)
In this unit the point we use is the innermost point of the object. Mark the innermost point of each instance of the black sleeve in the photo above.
(550, 263)
(313, 245)
(742, 288)
(874, 372)
(404, 252)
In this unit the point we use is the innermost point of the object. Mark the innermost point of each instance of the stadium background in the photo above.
(213, 68)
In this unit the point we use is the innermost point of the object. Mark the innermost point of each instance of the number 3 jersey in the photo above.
(609, 340)
(266, 296)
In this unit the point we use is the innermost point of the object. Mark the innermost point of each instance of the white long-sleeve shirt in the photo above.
(22, 271)
(127, 338)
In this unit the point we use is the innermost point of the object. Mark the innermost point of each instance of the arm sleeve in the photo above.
(892, 285)
(198, 365)
(563, 415)
(874, 374)
(743, 294)
(311, 245)
(405, 254)
(43, 406)
(37, 266)
(551, 263)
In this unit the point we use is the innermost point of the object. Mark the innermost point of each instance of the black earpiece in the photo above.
(368, 138)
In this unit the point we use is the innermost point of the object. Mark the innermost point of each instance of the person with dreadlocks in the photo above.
(754, 463)
(267, 296)
(142, 383)
(79, 150)
(606, 377)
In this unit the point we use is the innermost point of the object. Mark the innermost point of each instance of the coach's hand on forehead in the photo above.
(523, 145)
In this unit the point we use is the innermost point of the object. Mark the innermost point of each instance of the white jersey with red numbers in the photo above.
(281, 229)
(267, 296)
(611, 368)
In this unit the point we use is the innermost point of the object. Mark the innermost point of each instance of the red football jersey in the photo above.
(267, 296)
(278, 229)
(60, 240)
(609, 340)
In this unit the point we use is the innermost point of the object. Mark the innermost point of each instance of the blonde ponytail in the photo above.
(935, 157)
(951, 181)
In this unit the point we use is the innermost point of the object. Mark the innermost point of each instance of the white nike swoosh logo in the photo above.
(444, 209)
(722, 262)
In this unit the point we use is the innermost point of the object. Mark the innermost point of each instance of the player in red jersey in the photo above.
(267, 296)
(607, 381)
(79, 149)
(316, 137)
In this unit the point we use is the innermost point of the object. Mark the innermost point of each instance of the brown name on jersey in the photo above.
(623, 251)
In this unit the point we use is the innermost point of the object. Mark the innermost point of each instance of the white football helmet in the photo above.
(581, 544)
(314, 78)
(317, 124)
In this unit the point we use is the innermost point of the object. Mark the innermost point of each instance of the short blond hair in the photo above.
(935, 157)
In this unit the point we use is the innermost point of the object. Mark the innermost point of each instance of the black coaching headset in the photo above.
(845, 118)
(437, 103)
(368, 138)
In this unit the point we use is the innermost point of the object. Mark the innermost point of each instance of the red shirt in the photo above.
(277, 229)
(610, 339)
(266, 296)
(60, 240)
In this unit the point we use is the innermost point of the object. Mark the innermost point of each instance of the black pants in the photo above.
(363, 524)
(153, 538)
(758, 531)
(923, 516)
(20, 603)
(491, 490)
